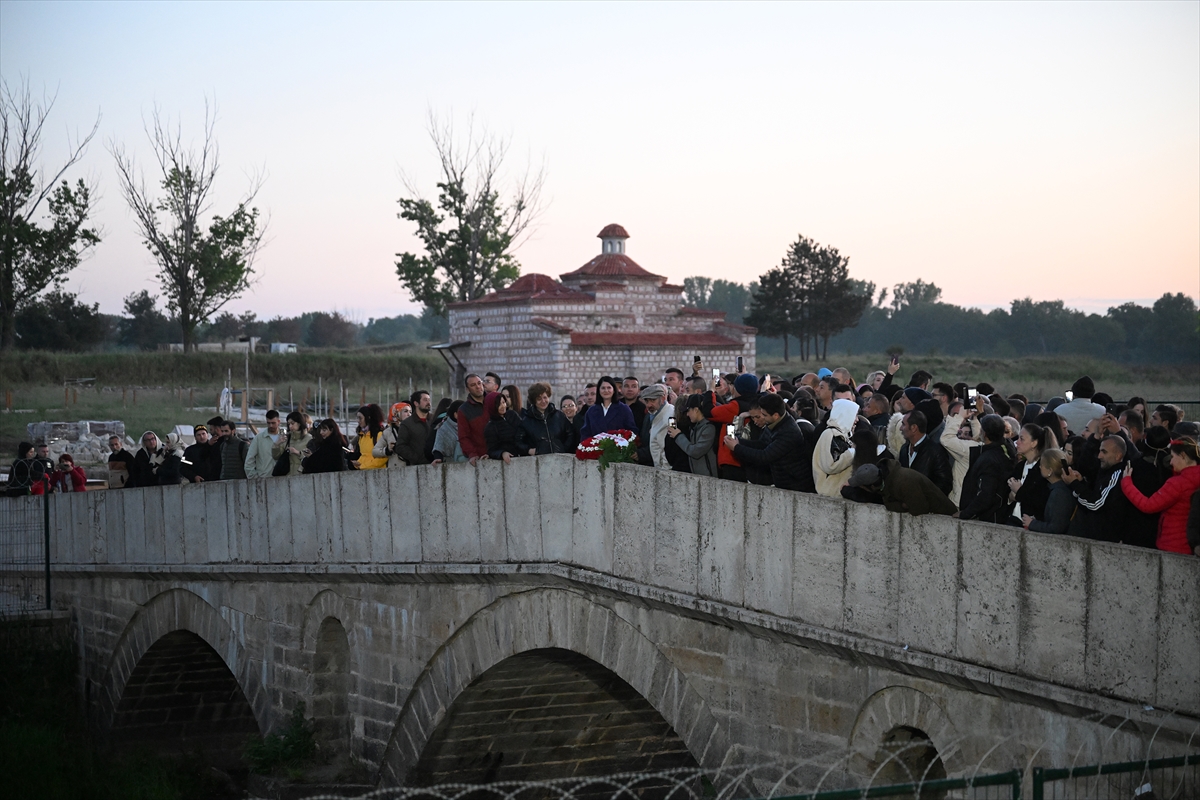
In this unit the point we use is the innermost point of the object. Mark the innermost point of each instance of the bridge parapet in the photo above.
(1098, 618)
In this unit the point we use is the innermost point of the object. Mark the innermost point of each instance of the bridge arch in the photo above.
(550, 620)
(171, 612)
(886, 741)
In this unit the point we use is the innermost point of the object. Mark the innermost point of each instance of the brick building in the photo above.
(609, 317)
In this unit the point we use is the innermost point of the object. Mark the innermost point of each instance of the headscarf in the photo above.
(843, 414)
(156, 456)
(394, 413)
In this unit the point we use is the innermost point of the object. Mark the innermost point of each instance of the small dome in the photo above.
(613, 231)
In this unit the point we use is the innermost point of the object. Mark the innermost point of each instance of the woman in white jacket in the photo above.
(833, 458)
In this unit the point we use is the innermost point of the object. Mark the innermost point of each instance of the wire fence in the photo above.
(1161, 779)
(24, 554)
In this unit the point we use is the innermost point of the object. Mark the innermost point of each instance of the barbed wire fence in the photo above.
(1167, 768)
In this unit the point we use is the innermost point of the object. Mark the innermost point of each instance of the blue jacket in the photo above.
(619, 417)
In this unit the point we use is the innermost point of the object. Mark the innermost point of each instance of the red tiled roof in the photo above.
(653, 340)
(700, 312)
(527, 287)
(670, 287)
(548, 324)
(612, 232)
(611, 265)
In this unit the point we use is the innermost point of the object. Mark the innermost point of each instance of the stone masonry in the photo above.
(609, 317)
(761, 625)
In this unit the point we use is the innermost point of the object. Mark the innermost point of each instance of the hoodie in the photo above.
(833, 457)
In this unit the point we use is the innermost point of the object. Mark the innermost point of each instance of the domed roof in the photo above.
(610, 265)
(532, 284)
(613, 231)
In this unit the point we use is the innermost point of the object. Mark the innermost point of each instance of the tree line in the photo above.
(811, 301)
(58, 321)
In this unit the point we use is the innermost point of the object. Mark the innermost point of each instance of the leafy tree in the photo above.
(144, 326)
(285, 329)
(773, 306)
(696, 291)
(58, 321)
(199, 271)
(330, 330)
(34, 256)
(1134, 319)
(908, 294)
(469, 237)
(1173, 334)
(226, 327)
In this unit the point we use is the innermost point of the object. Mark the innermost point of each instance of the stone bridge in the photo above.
(468, 622)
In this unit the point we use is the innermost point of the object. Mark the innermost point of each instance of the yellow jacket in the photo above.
(365, 459)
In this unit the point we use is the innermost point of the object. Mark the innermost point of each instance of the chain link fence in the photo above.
(24, 554)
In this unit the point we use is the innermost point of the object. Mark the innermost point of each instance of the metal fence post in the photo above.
(46, 539)
(1038, 791)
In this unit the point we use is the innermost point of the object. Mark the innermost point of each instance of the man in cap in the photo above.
(198, 462)
(653, 434)
(902, 489)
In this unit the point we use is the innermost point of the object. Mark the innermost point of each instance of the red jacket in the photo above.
(471, 421)
(724, 415)
(74, 480)
(1174, 500)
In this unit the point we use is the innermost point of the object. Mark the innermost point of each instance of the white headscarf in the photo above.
(842, 415)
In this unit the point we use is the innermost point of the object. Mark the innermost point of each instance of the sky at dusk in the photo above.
(1049, 150)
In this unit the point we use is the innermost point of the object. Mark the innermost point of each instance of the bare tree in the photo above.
(470, 236)
(33, 257)
(199, 271)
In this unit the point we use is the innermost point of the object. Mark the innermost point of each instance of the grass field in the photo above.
(166, 384)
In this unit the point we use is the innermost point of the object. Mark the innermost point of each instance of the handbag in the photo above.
(283, 464)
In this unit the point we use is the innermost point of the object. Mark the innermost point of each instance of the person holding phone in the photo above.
(699, 443)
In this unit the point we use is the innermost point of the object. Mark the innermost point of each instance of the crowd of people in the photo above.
(1082, 464)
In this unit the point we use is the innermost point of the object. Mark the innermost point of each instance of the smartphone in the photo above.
(664, 378)
(670, 422)
(696, 359)
(895, 360)
(716, 376)
(971, 394)
(1070, 396)
(741, 365)
(729, 430)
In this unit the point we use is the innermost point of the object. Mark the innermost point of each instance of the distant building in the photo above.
(609, 317)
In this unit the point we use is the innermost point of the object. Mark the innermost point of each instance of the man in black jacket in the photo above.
(200, 462)
(780, 448)
(1104, 513)
(924, 453)
(413, 431)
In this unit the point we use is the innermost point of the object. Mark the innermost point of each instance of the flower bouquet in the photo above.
(613, 447)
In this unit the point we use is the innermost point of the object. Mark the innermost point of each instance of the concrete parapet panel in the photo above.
(555, 477)
(114, 530)
(173, 533)
(328, 517)
(379, 514)
(633, 528)
(97, 532)
(134, 525)
(258, 522)
(591, 524)
(193, 503)
(522, 510)
(1122, 609)
(406, 515)
(722, 546)
(819, 562)
(988, 593)
(301, 497)
(431, 500)
(356, 518)
(154, 521)
(80, 537)
(928, 583)
(675, 530)
(462, 501)
(491, 521)
(281, 528)
(1178, 680)
(1053, 634)
(871, 604)
(769, 532)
